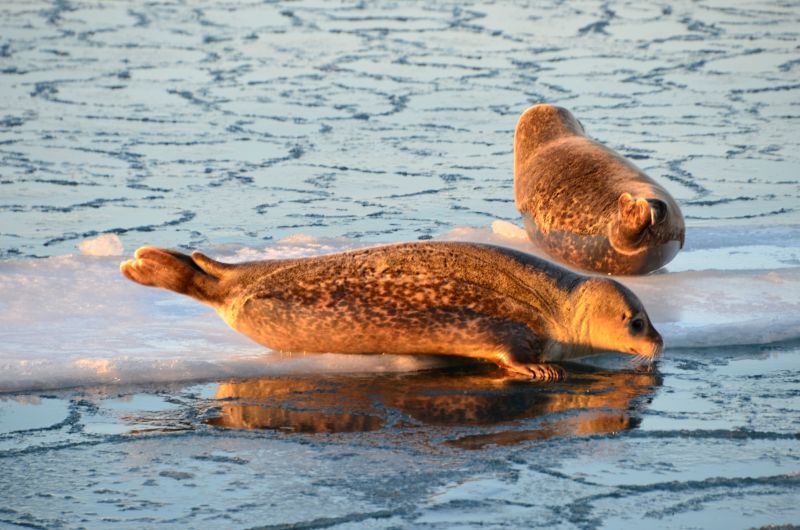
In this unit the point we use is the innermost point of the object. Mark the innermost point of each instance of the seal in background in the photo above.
(585, 204)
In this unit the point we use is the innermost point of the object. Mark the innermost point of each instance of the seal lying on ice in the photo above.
(474, 300)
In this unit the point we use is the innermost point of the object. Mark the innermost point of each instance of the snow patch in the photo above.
(104, 245)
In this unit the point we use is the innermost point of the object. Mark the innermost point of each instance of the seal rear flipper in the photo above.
(634, 216)
(210, 266)
(172, 270)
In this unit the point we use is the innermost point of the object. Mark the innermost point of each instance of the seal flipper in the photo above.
(209, 266)
(638, 214)
(634, 216)
(545, 372)
(518, 354)
(175, 271)
(658, 211)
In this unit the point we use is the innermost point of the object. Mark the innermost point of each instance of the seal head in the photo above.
(607, 316)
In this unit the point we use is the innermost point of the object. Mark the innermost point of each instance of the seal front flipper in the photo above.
(658, 211)
(544, 372)
(634, 214)
(196, 276)
(517, 359)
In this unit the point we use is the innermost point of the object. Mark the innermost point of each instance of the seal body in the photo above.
(430, 297)
(585, 204)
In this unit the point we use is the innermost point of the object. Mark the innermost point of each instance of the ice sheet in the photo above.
(74, 320)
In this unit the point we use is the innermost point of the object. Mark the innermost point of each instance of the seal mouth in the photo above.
(650, 354)
(643, 361)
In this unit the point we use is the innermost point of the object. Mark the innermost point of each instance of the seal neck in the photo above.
(569, 332)
(578, 334)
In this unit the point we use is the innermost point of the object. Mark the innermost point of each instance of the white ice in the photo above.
(104, 245)
(74, 320)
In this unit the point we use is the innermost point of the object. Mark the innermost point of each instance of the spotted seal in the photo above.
(450, 298)
(585, 204)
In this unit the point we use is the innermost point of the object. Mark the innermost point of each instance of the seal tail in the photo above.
(197, 275)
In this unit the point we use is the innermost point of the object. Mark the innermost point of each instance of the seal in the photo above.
(586, 205)
(449, 298)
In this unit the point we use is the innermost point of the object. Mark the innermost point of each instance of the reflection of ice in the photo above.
(73, 319)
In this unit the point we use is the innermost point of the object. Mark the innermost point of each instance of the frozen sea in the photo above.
(274, 129)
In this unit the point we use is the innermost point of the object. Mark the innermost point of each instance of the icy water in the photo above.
(255, 130)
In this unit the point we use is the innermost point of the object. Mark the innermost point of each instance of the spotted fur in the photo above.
(585, 204)
(433, 297)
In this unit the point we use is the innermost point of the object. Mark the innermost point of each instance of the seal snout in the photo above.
(653, 348)
(658, 344)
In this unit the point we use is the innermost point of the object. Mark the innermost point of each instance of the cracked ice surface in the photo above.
(218, 122)
(257, 130)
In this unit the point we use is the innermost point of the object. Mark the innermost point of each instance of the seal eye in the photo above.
(637, 326)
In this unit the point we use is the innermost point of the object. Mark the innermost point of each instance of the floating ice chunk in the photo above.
(75, 320)
(104, 245)
(509, 230)
(298, 238)
(293, 246)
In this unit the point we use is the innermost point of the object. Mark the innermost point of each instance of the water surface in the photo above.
(257, 130)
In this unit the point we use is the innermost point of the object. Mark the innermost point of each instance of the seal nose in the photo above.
(658, 344)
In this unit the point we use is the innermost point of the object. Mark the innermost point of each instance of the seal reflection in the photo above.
(481, 404)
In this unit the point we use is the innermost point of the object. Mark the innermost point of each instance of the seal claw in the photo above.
(546, 373)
